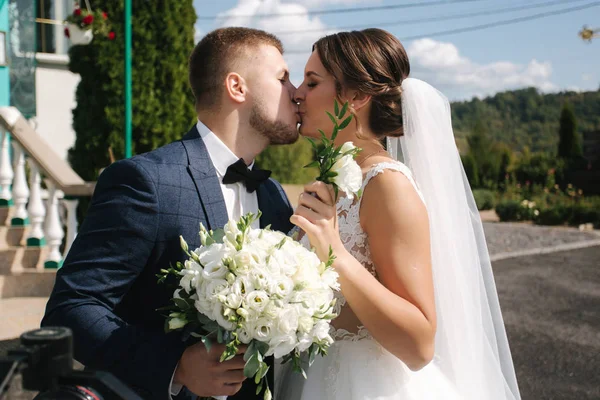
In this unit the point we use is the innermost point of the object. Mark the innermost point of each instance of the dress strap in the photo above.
(394, 166)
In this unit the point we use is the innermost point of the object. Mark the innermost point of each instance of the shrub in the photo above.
(485, 199)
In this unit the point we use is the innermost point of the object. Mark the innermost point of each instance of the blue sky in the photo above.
(546, 53)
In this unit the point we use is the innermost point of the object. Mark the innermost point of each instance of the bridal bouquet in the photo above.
(257, 287)
(336, 164)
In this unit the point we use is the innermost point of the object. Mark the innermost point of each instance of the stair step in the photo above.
(20, 314)
(38, 283)
(16, 259)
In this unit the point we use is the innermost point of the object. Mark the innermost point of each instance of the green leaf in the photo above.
(312, 164)
(332, 118)
(207, 343)
(218, 235)
(262, 347)
(259, 388)
(343, 112)
(181, 304)
(220, 336)
(336, 107)
(345, 122)
(312, 142)
(250, 351)
(251, 367)
(335, 132)
(336, 190)
(323, 135)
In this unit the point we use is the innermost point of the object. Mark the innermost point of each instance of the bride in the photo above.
(419, 317)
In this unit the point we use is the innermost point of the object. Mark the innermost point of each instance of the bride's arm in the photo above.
(399, 311)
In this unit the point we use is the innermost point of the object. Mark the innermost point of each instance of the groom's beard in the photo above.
(276, 131)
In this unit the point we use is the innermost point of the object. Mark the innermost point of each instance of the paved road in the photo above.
(551, 308)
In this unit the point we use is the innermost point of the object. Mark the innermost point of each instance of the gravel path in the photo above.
(510, 237)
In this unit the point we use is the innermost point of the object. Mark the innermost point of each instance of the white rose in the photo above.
(214, 288)
(349, 175)
(287, 321)
(282, 345)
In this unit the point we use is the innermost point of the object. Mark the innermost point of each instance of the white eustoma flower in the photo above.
(281, 345)
(221, 318)
(320, 333)
(349, 175)
(256, 300)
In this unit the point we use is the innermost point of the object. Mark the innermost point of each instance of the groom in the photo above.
(107, 290)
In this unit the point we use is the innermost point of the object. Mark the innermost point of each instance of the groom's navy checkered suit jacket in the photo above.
(107, 290)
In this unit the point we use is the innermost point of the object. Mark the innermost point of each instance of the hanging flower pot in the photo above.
(84, 23)
(78, 35)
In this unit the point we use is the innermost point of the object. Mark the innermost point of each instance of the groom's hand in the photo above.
(204, 375)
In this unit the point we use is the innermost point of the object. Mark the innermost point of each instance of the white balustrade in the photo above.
(35, 209)
(20, 190)
(53, 227)
(6, 171)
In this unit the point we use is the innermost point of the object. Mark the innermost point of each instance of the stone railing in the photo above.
(50, 213)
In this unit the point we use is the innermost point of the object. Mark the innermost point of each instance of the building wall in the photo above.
(4, 75)
(55, 101)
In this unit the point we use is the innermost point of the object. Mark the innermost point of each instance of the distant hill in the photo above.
(525, 117)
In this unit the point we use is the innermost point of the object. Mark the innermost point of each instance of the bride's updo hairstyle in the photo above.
(375, 63)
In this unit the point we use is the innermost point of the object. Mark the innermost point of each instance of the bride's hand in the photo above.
(317, 217)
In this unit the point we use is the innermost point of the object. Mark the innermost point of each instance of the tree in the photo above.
(163, 106)
(569, 145)
(287, 162)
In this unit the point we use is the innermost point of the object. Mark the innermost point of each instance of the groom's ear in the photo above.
(235, 87)
(357, 99)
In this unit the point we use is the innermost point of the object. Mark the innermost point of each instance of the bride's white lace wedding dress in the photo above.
(357, 367)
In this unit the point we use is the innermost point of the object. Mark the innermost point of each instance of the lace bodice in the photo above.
(355, 241)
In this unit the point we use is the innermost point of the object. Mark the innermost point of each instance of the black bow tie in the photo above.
(239, 172)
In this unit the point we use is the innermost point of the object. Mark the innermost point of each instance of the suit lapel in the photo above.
(205, 178)
(266, 206)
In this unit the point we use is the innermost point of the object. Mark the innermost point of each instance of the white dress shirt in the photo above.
(237, 199)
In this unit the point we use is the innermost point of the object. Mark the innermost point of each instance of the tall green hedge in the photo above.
(162, 40)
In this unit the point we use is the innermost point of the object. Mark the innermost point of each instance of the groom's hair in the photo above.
(215, 56)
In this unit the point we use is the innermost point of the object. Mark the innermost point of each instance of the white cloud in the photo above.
(442, 65)
(587, 77)
(306, 27)
(198, 33)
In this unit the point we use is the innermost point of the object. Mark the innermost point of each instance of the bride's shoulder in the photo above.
(389, 187)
